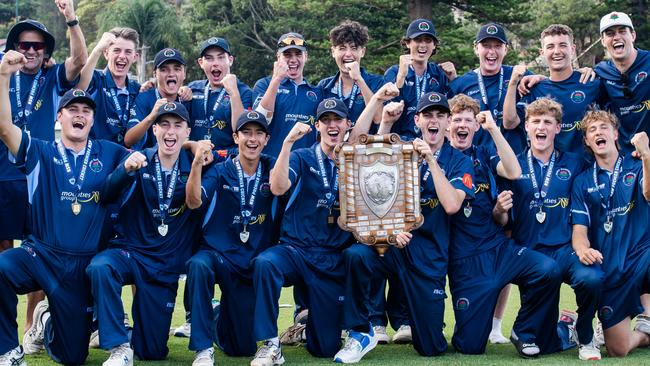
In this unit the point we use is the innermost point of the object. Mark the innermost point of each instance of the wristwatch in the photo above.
(72, 23)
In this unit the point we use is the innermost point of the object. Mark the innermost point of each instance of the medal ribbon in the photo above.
(331, 191)
(246, 208)
(27, 111)
(484, 96)
(76, 182)
(540, 195)
(164, 201)
(607, 202)
(436, 155)
(353, 93)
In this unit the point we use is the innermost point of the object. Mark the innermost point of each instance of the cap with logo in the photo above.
(491, 30)
(615, 18)
(433, 99)
(175, 108)
(292, 40)
(76, 96)
(252, 117)
(420, 27)
(333, 105)
(30, 24)
(215, 42)
(166, 55)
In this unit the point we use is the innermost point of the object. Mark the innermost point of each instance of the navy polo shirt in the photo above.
(355, 103)
(50, 193)
(293, 104)
(435, 81)
(576, 99)
(49, 87)
(633, 113)
(468, 84)
(555, 230)
(111, 122)
(220, 129)
(473, 230)
(223, 222)
(629, 239)
(139, 217)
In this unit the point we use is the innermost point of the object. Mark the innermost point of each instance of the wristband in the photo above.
(72, 23)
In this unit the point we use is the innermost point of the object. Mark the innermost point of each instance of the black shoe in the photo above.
(525, 350)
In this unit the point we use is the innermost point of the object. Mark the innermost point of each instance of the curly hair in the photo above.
(461, 103)
(349, 31)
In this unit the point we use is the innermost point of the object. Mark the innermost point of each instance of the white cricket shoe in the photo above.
(599, 335)
(184, 330)
(121, 355)
(94, 340)
(15, 357)
(357, 344)
(204, 358)
(268, 355)
(381, 335)
(403, 335)
(33, 341)
(587, 352)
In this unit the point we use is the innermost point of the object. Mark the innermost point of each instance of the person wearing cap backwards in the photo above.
(112, 89)
(537, 206)
(419, 259)
(219, 100)
(625, 77)
(286, 97)
(169, 72)
(352, 84)
(66, 193)
(482, 259)
(415, 75)
(155, 236)
(309, 251)
(240, 222)
(609, 213)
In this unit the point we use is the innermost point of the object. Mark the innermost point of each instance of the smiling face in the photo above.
(421, 47)
(490, 53)
(215, 64)
(558, 51)
(35, 58)
(295, 59)
(250, 140)
(171, 132)
(170, 76)
(347, 52)
(332, 128)
(600, 130)
(541, 130)
(462, 128)
(433, 124)
(76, 120)
(120, 56)
(619, 42)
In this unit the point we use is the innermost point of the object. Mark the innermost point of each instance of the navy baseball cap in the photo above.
(215, 42)
(333, 105)
(30, 24)
(292, 40)
(419, 27)
(491, 30)
(166, 55)
(433, 99)
(252, 117)
(76, 96)
(174, 108)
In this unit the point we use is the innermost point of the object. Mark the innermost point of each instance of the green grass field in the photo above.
(402, 355)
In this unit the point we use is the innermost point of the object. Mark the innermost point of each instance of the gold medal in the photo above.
(76, 207)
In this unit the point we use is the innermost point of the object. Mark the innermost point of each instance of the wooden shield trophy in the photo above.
(379, 189)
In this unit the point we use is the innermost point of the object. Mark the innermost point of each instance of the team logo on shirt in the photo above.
(492, 30)
(96, 165)
(578, 96)
(462, 303)
(467, 180)
(168, 52)
(640, 76)
(312, 96)
(423, 26)
(265, 189)
(563, 174)
(628, 179)
(329, 104)
(434, 98)
(606, 312)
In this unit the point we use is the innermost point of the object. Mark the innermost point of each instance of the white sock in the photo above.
(496, 325)
(275, 341)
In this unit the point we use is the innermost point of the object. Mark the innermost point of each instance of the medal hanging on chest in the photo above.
(606, 202)
(540, 216)
(75, 206)
(210, 117)
(247, 205)
(540, 194)
(244, 235)
(467, 210)
(331, 191)
(608, 225)
(164, 198)
(163, 229)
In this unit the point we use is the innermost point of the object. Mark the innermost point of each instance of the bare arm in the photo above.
(510, 117)
(501, 208)
(280, 70)
(9, 133)
(137, 132)
(279, 179)
(640, 142)
(87, 71)
(193, 186)
(582, 247)
(450, 198)
(236, 105)
(78, 51)
(508, 167)
(386, 92)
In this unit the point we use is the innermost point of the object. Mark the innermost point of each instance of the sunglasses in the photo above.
(25, 46)
(625, 80)
(291, 41)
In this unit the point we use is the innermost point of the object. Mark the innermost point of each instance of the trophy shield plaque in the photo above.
(379, 189)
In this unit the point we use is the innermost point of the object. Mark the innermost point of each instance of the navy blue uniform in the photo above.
(225, 259)
(144, 103)
(141, 255)
(629, 96)
(54, 256)
(626, 258)
(308, 255)
(421, 266)
(482, 261)
(114, 104)
(34, 99)
(576, 99)
(553, 235)
(293, 104)
(434, 79)
(354, 100)
(496, 87)
(212, 120)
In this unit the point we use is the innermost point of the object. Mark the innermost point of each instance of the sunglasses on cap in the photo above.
(291, 41)
(25, 46)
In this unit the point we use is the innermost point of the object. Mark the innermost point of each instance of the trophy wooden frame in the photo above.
(379, 189)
